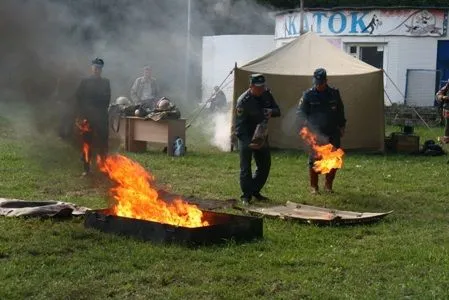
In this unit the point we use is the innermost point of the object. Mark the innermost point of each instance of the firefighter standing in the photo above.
(322, 110)
(254, 106)
(443, 97)
(93, 97)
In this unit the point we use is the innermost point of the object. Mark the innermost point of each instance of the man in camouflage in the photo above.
(443, 98)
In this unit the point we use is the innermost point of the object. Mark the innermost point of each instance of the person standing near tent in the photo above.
(254, 106)
(443, 97)
(322, 110)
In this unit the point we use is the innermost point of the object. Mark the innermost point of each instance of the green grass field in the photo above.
(404, 256)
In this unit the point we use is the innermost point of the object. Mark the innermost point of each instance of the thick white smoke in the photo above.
(222, 130)
(47, 46)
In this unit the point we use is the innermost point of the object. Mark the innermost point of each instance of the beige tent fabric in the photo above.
(361, 92)
(304, 54)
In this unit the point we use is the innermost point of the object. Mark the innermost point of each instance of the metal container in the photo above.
(223, 227)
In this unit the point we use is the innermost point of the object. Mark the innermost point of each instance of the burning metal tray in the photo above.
(222, 227)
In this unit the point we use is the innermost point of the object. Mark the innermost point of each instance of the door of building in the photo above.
(443, 61)
(371, 54)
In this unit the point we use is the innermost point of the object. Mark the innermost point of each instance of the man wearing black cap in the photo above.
(93, 96)
(255, 106)
(322, 110)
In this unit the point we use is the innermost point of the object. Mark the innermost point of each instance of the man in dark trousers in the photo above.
(322, 110)
(255, 106)
(443, 98)
(93, 97)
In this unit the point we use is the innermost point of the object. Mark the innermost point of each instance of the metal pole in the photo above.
(301, 17)
(187, 66)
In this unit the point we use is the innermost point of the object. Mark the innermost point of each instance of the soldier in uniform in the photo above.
(443, 98)
(254, 106)
(93, 97)
(322, 110)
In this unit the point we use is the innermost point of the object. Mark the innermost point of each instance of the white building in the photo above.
(411, 45)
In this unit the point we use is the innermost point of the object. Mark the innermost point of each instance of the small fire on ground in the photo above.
(136, 198)
(327, 156)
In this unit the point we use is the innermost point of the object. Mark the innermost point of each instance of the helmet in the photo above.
(163, 104)
(122, 101)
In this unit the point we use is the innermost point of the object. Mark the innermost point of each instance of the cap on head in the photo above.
(319, 76)
(98, 62)
(257, 79)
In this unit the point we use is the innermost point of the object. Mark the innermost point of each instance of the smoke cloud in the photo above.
(47, 46)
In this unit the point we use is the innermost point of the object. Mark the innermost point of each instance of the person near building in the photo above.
(217, 101)
(93, 97)
(254, 108)
(145, 89)
(322, 111)
(442, 97)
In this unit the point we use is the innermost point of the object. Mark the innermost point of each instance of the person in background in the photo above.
(217, 101)
(145, 88)
(442, 97)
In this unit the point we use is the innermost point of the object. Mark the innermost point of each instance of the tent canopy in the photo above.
(289, 71)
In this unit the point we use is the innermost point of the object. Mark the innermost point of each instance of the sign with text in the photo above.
(385, 22)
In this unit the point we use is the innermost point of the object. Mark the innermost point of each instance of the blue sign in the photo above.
(413, 22)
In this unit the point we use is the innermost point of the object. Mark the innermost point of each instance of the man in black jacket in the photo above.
(255, 106)
(322, 110)
(93, 97)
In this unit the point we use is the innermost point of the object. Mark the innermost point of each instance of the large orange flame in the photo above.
(328, 157)
(84, 128)
(135, 198)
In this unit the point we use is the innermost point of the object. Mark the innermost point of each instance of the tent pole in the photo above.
(301, 18)
(234, 100)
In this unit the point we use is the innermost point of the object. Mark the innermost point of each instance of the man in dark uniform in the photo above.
(93, 97)
(322, 110)
(218, 101)
(254, 106)
(443, 98)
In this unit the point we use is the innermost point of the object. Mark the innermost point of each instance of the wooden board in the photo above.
(316, 215)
